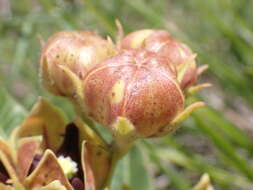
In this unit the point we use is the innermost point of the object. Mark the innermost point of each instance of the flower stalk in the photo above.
(135, 89)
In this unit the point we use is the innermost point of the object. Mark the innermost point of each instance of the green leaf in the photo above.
(11, 113)
(178, 180)
(139, 178)
(233, 132)
(119, 175)
(225, 147)
(132, 172)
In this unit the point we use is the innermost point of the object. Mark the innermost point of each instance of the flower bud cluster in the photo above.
(142, 81)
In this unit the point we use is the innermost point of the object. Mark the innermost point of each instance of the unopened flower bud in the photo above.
(137, 85)
(160, 42)
(75, 50)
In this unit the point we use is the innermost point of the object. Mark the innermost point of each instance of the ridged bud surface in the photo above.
(137, 85)
(76, 50)
(160, 42)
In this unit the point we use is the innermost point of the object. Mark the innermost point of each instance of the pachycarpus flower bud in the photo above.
(160, 42)
(137, 85)
(75, 50)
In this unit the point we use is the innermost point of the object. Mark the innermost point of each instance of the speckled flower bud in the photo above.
(137, 85)
(75, 50)
(160, 42)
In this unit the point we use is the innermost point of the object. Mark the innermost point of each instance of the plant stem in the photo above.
(86, 120)
(118, 152)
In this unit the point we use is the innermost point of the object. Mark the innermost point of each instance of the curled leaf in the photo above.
(96, 165)
(55, 185)
(7, 159)
(47, 171)
(44, 120)
(27, 148)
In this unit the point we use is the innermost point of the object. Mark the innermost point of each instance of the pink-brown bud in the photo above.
(137, 85)
(75, 50)
(160, 42)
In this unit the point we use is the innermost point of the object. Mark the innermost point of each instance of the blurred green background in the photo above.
(217, 140)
